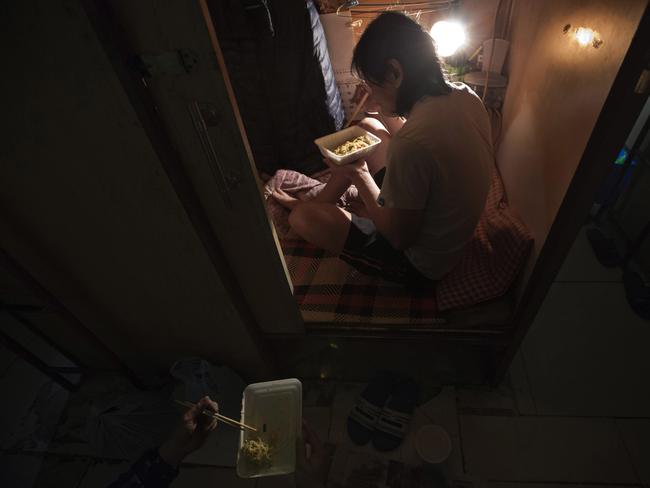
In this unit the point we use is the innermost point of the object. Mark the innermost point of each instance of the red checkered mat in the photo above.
(330, 291)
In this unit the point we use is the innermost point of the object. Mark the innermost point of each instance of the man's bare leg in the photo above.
(392, 124)
(377, 159)
(337, 185)
(322, 224)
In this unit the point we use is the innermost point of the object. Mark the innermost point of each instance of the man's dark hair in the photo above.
(395, 36)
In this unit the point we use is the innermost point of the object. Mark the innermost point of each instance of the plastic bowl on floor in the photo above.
(433, 444)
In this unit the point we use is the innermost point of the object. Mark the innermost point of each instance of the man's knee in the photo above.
(300, 216)
(375, 127)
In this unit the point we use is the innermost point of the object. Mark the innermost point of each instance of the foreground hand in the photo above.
(191, 432)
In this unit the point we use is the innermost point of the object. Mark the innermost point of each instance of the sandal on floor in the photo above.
(395, 418)
(365, 413)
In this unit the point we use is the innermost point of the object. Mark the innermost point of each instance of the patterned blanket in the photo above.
(330, 291)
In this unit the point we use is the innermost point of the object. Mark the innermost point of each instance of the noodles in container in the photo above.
(347, 145)
(274, 408)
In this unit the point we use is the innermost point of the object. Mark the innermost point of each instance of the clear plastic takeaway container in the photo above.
(328, 143)
(274, 408)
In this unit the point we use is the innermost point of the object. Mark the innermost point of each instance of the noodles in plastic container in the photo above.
(274, 408)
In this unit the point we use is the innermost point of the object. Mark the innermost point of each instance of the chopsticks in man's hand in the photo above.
(223, 418)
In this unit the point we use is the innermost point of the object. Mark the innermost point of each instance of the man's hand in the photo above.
(359, 93)
(351, 171)
(358, 208)
(191, 432)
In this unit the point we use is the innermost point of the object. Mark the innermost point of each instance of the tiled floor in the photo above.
(545, 449)
(573, 412)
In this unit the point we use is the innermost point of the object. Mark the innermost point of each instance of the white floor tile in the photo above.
(318, 420)
(636, 436)
(442, 410)
(344, 399)
(586, 354)
(516, 484)
(370, 451)
(545, 449)
(520, 384)
(318, 393)
(486, 399)
(581, 264)
(363, 463)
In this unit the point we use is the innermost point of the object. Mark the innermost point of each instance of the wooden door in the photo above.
(174, 49)
(88, 212)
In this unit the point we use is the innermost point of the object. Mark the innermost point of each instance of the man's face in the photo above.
(384, 96)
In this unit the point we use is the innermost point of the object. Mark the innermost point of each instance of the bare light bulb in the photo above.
(449, 36)
(584, 36)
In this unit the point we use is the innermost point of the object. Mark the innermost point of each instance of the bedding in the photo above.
(328, 290)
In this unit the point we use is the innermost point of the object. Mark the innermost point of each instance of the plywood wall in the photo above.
(555, 94)
(86, 207)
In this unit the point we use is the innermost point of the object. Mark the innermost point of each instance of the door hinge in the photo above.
(178, 62)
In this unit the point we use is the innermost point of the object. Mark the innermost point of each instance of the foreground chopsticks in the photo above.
(223, 418)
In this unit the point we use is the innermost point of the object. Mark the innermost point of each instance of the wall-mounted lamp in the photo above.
(583, 36)
(449, 36)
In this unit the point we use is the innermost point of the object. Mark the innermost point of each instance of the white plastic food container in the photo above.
(274, 408)
(327, 144)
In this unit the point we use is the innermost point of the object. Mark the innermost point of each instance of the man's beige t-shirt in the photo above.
(440, 162)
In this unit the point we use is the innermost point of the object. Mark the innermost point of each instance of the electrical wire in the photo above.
(371, 14)
(436, 5)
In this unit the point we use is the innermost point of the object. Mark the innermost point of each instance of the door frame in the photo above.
(619, 113)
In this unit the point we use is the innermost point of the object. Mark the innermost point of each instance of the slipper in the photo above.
(637, 293)
(604, 248)
(365, 413)
(395, 418)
